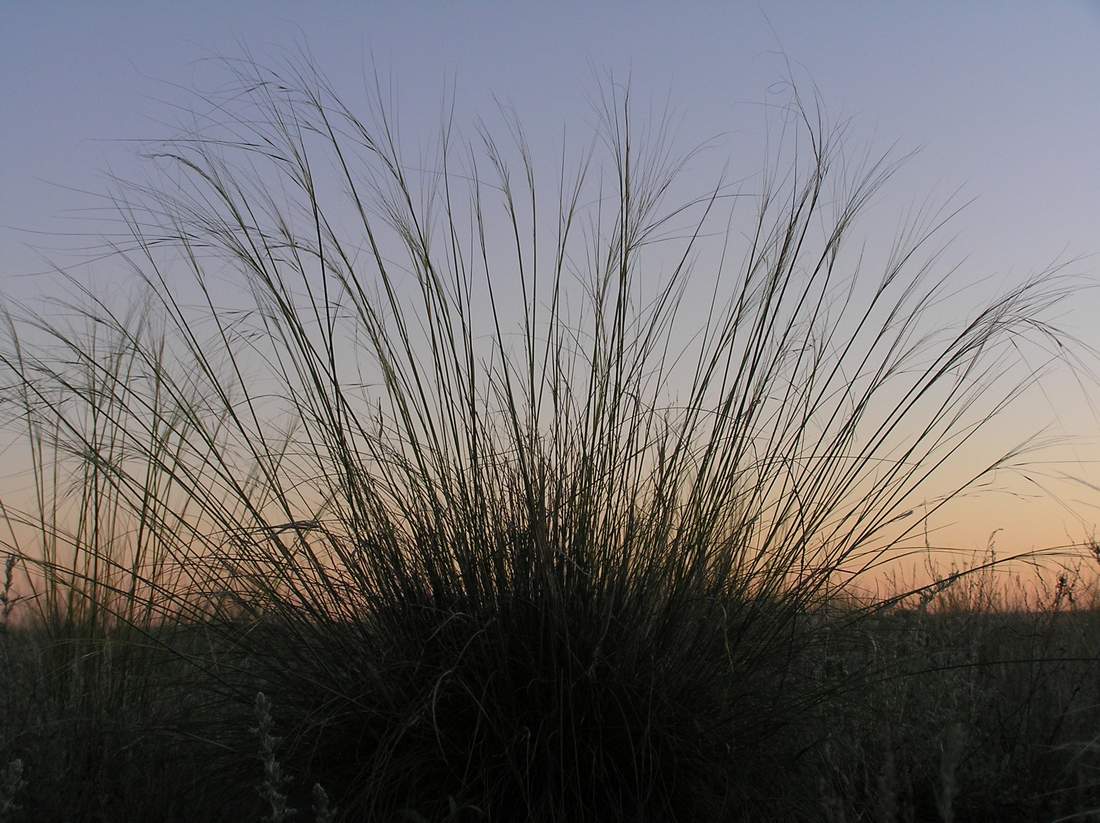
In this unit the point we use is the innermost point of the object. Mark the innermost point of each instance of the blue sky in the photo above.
(1003, 99)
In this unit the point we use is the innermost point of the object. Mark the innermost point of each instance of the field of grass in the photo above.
(415, 490)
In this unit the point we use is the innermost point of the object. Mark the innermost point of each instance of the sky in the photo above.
(1001, 99)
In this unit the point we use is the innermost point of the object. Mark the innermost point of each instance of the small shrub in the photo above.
(502, 529)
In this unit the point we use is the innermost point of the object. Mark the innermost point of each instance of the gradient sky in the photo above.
(1003, 99)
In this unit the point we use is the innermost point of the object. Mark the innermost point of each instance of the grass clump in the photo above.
(431, 463)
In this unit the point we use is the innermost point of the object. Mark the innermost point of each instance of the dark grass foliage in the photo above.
(506, 515)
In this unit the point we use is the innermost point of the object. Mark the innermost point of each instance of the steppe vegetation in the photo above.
(428, 490)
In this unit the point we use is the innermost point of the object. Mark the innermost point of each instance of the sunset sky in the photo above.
(1002, 99)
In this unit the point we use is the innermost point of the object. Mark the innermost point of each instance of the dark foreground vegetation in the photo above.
(408, 492)
(951, 712)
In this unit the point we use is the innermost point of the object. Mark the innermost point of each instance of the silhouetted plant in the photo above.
(497, 546)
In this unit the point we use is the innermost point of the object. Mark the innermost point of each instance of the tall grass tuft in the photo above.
(507, 517)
